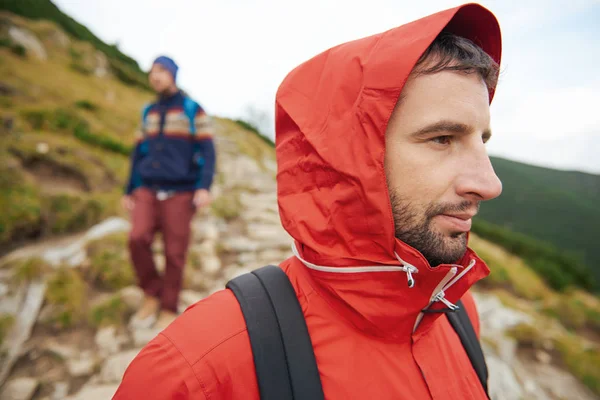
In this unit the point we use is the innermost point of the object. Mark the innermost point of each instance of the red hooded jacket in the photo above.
(371, 340)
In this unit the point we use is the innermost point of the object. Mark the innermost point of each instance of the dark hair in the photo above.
(456, 53)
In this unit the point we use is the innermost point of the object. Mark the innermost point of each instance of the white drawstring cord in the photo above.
(439, 292)
(440, 295)
(409, 269)
(406, 267)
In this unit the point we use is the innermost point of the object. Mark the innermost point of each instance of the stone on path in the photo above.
(19, 389)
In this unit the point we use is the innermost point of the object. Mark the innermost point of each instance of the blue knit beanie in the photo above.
(168, 64)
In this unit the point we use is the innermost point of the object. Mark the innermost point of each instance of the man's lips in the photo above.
(458, 222)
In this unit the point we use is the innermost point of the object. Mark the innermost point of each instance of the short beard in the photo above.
(414, 228)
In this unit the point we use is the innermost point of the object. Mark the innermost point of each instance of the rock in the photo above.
(102, 66)
(247, 258)
(59, 38)
(19, 389)
(189, 297)
(206, 249)
(262, 202)
(132, 296)
(543, 357)
(47, 313)
(271, 236)
(95, 392)
(72, 254)
(205, 229)
(106, 340)
(141, 337)
(272, 255)
(114, 367)
(495, 318)
(3, 289)
(235, 272)
(261, 216)
(201, 282)
(63, 351)
(270, 165)
(239, 244)
(211, 266)
(219, 284)
(108, 227)
(42, 148)
(29, 41)
(507, 349)
(82, 366)
(20, 331)
(244, 172)
(61, 390)
(503, 384)
(554, 383)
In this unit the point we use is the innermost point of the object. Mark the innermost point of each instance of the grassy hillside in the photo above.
(65, 135)
(123, 66)
(558, 207)
(574, 341)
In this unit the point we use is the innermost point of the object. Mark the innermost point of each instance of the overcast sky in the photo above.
(233, 54)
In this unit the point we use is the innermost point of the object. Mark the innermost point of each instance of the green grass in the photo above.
(67, 292)
(72, 213)
(578, 357)
(6, 322)
(110, 267)
(20, 202)
(86, 105)
(109, 312)
(28, 269)
(66, 121)
(227, 206)
(558, 268)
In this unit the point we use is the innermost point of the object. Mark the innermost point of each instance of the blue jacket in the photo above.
(175, 149)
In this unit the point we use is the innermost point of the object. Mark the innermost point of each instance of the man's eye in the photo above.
(442, 139)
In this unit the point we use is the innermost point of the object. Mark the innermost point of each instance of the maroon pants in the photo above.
(172, 218)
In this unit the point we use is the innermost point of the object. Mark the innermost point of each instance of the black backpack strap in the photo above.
(461, 323)
(284, 359)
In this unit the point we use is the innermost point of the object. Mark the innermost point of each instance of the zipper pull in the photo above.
(409, 277)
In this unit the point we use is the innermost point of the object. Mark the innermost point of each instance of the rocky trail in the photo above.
(241, 232)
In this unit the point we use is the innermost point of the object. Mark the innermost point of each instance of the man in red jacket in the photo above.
(381, 166)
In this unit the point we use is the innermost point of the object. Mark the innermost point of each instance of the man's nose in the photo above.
(478, 180)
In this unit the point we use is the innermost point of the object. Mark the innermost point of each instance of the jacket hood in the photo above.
(331, 116)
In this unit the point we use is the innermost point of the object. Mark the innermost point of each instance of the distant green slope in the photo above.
(122, 65)
(559, 207)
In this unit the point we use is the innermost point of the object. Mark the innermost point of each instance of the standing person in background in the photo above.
(172, 169)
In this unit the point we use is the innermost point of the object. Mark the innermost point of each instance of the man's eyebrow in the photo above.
(443, 126)
(449, 127)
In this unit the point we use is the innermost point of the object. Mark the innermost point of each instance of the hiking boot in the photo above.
(145, 316)
(164, 319)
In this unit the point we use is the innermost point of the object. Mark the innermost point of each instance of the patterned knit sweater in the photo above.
(167, 155)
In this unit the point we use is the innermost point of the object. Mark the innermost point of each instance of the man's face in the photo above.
(436, 162)
(161, 80)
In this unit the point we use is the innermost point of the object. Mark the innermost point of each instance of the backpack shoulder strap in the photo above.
(145, 112)
(190, 108)
(284, 359)
(463, 327)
